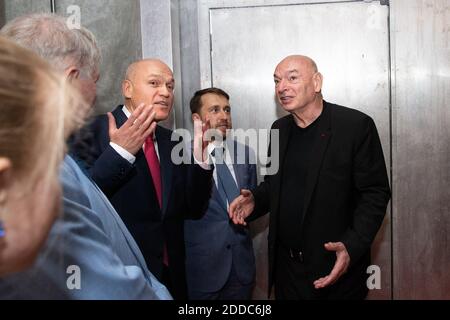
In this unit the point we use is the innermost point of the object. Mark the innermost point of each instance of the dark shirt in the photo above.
(295, 168)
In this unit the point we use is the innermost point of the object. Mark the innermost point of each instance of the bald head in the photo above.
(306, 63)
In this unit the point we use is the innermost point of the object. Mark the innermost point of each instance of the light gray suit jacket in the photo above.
(88, 247)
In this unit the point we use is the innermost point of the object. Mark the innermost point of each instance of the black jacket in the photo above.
(346, 195)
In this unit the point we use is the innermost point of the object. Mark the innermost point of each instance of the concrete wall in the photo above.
(115, 23)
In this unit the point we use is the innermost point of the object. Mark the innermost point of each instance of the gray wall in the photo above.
(190, 63)
(15, 8)
(2, 13)
(421, 148)
(160, 39)
(115, 23)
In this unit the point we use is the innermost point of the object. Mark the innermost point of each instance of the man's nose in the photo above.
(223, 115)
(164, 91)
(281, 87)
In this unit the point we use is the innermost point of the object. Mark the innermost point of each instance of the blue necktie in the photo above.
(224, 176)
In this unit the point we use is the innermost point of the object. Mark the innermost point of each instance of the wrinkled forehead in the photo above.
(293, 65)
(210, 99)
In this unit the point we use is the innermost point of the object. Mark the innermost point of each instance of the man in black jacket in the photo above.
(133, 166)
(329, 197)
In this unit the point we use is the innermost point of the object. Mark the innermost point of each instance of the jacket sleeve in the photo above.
(253, 179)
(105, 166)
(372, 191)
(79, 261)
(110, 170)
(261, 193)
(103, 274)
(198, 187)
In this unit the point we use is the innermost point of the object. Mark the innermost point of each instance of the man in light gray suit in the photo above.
(220, 263)
(89, 253)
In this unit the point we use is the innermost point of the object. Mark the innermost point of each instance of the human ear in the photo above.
(318, 80)
(72, 73)
(196, 117)
(127, 89)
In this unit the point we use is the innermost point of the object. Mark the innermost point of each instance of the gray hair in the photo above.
(49, 36)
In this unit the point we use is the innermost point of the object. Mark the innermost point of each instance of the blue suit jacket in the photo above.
(89, 234)
(214, 243)
(185, 193)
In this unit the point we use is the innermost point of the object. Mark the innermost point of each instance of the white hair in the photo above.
(49, 36)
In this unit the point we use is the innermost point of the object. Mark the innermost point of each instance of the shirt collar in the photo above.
(126, 111)
(214, 145)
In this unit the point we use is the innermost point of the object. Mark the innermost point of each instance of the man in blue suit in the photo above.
(89, 253)
(133, 165)
(220, 263)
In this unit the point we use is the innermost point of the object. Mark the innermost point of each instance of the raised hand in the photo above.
(200, 143)
(131, 136)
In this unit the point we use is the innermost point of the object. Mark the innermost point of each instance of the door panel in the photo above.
(349, 42)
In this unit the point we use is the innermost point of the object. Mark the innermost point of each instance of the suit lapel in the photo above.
(165, 161)
(238, 168)
(120, 116)
(320, 145)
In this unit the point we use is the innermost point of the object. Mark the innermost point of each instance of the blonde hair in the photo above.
(38, 111)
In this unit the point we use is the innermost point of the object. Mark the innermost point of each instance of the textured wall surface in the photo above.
(190, 64)
(421, 149)
(160, 40)
(116, 24)
(2, 13)
(15, 8)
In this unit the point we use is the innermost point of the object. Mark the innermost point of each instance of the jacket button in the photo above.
(228, 247)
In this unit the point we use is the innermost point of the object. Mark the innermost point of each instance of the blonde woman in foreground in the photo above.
(37, 113)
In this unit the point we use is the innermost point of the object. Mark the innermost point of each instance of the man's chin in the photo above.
(223, 132)
(288, 107)
(161, 116)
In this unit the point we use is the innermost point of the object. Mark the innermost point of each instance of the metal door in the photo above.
(240, 45)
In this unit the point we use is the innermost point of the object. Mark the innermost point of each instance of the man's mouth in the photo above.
(286, 99)
(163, 104)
